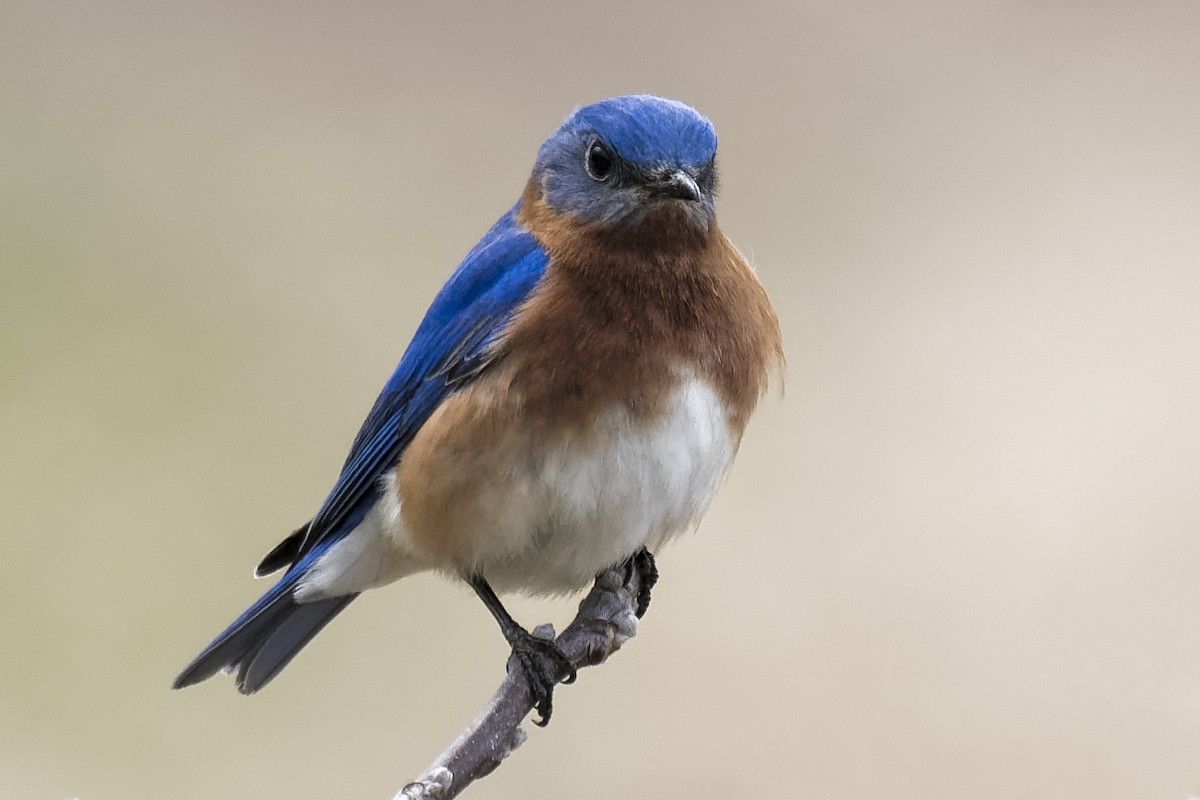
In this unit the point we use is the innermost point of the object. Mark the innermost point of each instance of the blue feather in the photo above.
(650, 130)
(447, 351)
(474, 305)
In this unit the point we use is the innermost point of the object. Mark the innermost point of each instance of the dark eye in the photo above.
(599, 162)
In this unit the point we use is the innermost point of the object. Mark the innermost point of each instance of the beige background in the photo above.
(960, 559)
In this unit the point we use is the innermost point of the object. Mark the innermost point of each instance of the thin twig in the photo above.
(606, 620)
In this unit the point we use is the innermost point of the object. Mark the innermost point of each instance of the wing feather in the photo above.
(450, 348)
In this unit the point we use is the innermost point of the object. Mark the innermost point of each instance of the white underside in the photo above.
(572, 514)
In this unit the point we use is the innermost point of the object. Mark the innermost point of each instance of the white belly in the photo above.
(637, 487)
(568, 511)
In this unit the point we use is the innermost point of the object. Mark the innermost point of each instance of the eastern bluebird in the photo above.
(571, 400)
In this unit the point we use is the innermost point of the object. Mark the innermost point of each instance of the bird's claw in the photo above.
(544, 665)
(642, 564)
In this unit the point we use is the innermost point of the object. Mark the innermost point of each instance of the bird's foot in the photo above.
(544, 666)
(642, 564)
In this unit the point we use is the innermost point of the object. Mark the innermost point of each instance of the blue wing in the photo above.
(448, 350)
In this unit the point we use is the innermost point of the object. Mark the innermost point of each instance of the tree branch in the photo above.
(607, 619)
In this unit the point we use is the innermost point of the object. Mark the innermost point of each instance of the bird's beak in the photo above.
(676, 183)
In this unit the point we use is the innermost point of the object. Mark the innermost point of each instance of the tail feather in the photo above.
(263, 640)
(283, 554)
(300, 623)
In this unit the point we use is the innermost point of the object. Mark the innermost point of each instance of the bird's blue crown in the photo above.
(645, 129)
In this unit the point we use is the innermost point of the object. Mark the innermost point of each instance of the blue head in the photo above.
(618, 161)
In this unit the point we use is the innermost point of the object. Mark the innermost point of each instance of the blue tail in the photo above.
(267, 636)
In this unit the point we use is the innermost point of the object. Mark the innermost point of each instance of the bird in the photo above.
(570, 402)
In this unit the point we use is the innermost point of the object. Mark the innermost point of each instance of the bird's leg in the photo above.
(642, 562)
(541, 660)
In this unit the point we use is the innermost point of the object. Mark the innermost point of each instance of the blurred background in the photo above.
(959, 558)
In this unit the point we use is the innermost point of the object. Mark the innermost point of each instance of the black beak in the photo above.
(675, 183)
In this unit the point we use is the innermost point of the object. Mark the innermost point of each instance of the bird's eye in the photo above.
(599, 162)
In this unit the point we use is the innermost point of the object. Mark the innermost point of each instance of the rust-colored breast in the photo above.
(617, 317)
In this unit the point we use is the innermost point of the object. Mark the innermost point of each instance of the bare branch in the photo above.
(607, 619)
